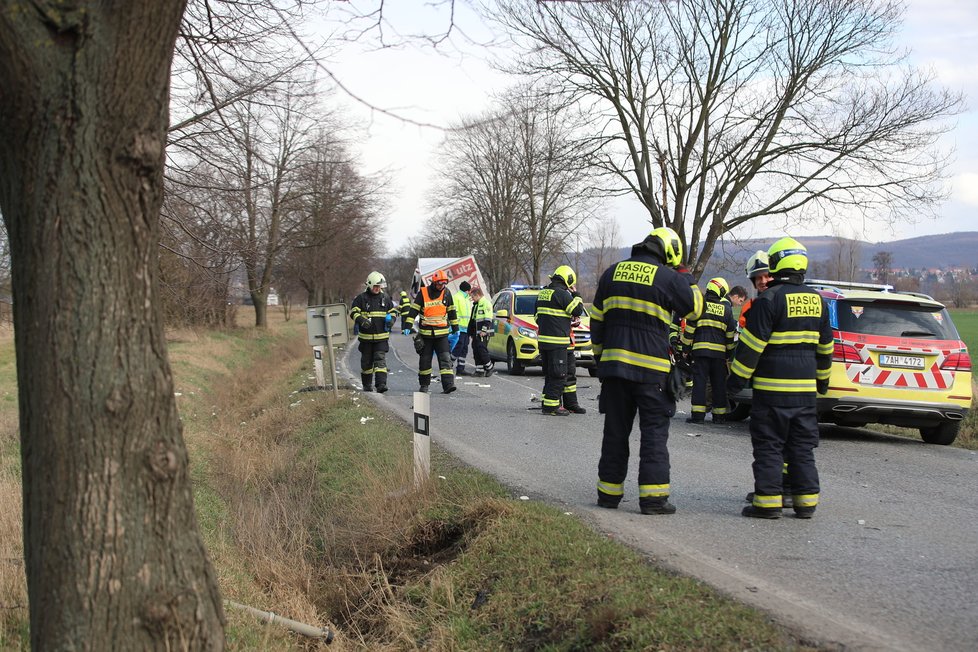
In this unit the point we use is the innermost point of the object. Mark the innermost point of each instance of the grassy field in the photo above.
(966, 321)
(309, 510)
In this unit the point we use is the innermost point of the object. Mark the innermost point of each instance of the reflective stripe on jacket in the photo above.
(554, 309)
(712, 334)
(482, 314)
(786, 345)
(436, 312)
(369, 312)
(632, 314)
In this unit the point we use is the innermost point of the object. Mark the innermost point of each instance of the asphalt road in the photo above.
(890, 561)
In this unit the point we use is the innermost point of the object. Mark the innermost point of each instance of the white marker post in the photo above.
(422, 438)
(317, 363)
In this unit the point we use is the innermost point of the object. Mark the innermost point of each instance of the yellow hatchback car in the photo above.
(898, 360)
(514, 333)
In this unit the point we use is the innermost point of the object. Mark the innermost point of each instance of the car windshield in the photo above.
(894, 319)
(526, 304)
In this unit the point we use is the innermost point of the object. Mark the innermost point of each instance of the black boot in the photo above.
(381, 389)
(696, 418)
(719, 418)
(423, 389)
(804, 512)
(554, 412)
(651, 506)
(488, 368)
(608, 502)
(448, 389)
(576, 409)
(761, 512)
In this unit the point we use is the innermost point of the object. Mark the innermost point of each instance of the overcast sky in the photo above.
(435, 87)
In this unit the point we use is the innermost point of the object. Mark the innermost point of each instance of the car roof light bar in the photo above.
(848, 285)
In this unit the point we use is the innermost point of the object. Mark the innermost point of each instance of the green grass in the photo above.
(574, 590)
(539, 579)
(966, 321)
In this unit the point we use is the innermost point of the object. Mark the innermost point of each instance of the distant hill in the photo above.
(946, 250)
(924, 252)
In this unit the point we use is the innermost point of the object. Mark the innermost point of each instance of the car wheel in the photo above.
(738, 411)
(592, 372)
(515, 365)
(943, 434)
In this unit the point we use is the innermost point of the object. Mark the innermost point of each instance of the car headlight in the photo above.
(527, 332)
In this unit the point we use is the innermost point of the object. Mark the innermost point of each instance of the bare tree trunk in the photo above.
(114, 559)
(260, 299)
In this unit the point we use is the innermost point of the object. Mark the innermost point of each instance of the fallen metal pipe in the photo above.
(297, 627)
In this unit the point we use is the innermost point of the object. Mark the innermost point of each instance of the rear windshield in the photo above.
(893, 320)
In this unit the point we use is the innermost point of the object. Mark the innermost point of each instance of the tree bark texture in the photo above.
(113, 556)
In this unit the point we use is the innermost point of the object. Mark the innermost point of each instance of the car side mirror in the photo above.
(502, 314)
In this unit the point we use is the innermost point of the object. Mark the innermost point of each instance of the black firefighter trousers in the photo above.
(713, 371)
(620, 400)
(438, 346)
(373, 362)
(785, 434)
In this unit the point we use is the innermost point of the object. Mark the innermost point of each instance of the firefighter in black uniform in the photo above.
(373, 312)
(404, 308)
(557, 305)
(630, 323)
(785, 353)
(709, 340)
(434, 311)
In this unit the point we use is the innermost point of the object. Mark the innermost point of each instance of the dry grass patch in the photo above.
(13, 582)
(257, 498)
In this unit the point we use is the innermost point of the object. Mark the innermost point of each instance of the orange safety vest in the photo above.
(743, 313)
(434, 312)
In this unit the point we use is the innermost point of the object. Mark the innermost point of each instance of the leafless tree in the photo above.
(882, 264)
(604, 239)
(553, 172)
(106, 482)
(337, 224)
(229, 51)
(231, 58)
(851, 259)
(479, 197)
(716, 112)
(253, 157)
(841, 262)
(512, 183)
(197, 264)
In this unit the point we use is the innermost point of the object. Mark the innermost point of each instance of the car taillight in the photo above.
(957, 362)
(845, 353)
